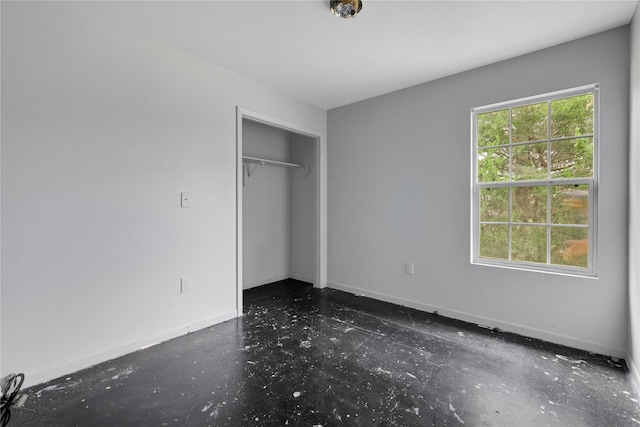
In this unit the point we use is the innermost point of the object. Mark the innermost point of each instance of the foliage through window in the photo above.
(534, 182)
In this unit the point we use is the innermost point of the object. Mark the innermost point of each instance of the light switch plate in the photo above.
(185, 200)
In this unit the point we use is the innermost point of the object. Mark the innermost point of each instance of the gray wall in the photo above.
(304, 211)
(101, 132)
(634, 201)
(399, 190)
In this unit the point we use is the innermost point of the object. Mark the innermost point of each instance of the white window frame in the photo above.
(592, 267)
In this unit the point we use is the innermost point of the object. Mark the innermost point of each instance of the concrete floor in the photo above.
(307, 357)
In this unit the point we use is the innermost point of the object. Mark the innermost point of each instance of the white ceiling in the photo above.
(299, 48)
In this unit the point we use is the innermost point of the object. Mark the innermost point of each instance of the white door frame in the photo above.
(320, 281)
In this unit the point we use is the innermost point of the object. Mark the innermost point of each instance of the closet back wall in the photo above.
(266, 237)
(279, 207)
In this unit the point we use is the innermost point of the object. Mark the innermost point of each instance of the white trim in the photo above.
(320, 281)
(633, 372)
(2, 373)
(34, 378)
(551, 96)
(535, 183)
(593, 268)
(544, 268)
(265, 282)
(593, 197)
(488, 322)
(301, 278)
(239, 183)
(298, 277)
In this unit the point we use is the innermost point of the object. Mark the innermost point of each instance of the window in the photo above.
(534, 173)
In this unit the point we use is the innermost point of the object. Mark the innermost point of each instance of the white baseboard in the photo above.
(489, 322)
(34, 378)
(277, 279)
(301, 278)
(264, 282)
(633, 371)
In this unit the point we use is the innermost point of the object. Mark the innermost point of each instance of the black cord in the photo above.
(10, 391)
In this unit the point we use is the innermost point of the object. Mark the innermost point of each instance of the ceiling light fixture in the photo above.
(345, 8)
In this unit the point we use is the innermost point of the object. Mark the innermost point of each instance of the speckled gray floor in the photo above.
(305, 357)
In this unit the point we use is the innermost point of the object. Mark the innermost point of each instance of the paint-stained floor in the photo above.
(307, 357)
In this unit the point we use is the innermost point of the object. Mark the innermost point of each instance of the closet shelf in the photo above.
(267, 162)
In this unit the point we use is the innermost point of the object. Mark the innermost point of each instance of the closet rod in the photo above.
(267, 162)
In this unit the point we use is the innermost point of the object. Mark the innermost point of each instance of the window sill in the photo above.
(556, 270)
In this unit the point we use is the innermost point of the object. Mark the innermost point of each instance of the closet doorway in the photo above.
(281, 224)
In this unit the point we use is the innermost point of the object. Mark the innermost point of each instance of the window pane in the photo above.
(529, 162)
(570, 246)
(570, 204)
(529, 243)
(535, 177)
(572, 116)
(529, 123)
(494, 241)
(572, 158)
(493, 128)
(494, 204)
(529, 204)
(493, 164)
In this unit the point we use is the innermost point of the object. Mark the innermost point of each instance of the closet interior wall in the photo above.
(279, 207)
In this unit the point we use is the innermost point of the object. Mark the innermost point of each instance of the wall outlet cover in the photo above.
(408, 268)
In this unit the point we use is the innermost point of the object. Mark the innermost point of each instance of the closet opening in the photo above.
(279, 208)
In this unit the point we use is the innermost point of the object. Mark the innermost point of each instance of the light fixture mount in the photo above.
(345, 8)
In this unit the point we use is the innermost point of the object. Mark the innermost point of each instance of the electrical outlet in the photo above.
(408, 268)
(185, 285)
